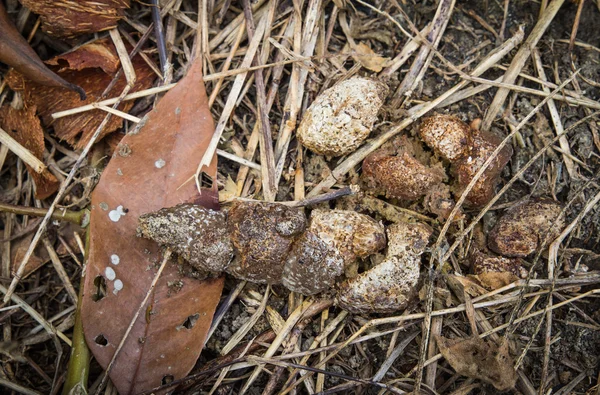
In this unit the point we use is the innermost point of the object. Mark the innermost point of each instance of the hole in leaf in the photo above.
(168, 379)
(99, 288)
(101, 340)
(206, 181)
(190, 321)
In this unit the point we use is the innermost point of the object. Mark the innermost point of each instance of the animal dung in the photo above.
(523, 228)
(400, 177)
(262, 234)
(390, 285)
(195, 233)
(341, 118)
(467, 149)
(450, 137)
(272, 243)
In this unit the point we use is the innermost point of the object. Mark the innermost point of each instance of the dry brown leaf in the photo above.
(18, 249)
(92, 66)
(229, 191)
(68, 18)
(495, 280)
(469, 285)
(480, 359)
(364, 55)
(166, 341)
(24, 126)
(16, 52)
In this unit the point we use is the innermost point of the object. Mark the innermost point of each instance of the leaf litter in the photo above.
(522, 327)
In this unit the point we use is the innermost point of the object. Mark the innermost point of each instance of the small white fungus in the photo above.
(114, 259)
(115, 215)
(110, 273)
(159, 164)
(118, 286)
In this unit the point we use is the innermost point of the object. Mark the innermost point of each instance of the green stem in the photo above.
(79, 363)
(80, 218)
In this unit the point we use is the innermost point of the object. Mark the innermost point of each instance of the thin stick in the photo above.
(160, 36)
(519, 61)
(61, 214)
(26, 156)
(239, 160)
(558, 128)
(267, 159)
(60, 270)
(346, 191)
(149, 293)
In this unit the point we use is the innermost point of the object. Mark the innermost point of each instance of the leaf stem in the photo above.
(80, 218)
(79, 363)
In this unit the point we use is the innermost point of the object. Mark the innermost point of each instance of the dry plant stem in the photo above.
(231, 100)
(320, 338)
(118, 113)
(149, 293)
(61, 214)
(60, 270)
(553, 250)
(575, 25)
(226, 65)
(346, 191)
(16, 387)
(231, 29)
(267, 159)
(519, 61)
(437, 324)
(287, 348)
(126, 64)
(371, 145)
(275, 76)
(558, 128)
(486, 84)
(230, 360)
(6, 140)
(51, 330)
(396, 352)
(59, 195)
(407, 51)
(224, 307)
(423, 58)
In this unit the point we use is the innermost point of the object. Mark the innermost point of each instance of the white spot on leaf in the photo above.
(115, 215)
(159, 164)
(110, 273)
(114, 259)
(118, 286)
